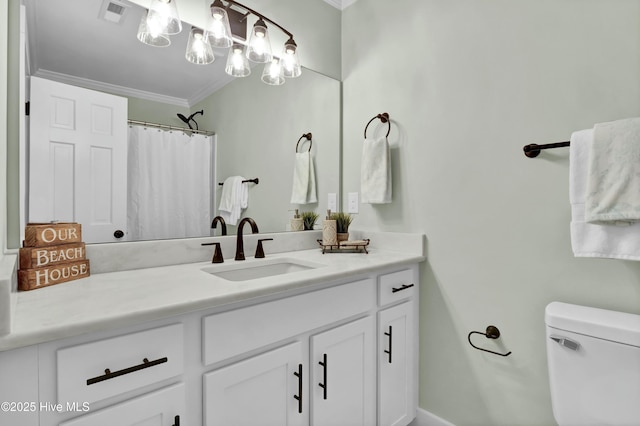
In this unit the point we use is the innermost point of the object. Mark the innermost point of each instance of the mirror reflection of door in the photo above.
(78, 159)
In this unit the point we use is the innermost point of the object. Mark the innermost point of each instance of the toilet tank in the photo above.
(594, 365)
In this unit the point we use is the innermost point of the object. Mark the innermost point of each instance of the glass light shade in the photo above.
(152, 38)
(199, 50)
(163, 17)
(237, 62)
(272, 73)
(259, 46)
(218, 30)
(289, 60)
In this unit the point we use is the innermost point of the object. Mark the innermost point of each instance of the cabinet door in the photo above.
(396, 405)
(19, 387)
(266, 390)
(343, 375)
(162, 408)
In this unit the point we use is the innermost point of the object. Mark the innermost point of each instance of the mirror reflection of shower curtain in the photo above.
(169, 183)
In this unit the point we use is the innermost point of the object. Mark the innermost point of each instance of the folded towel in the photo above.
(587, 239)
(375, 171)
(304, 180)
(613, 188)
(234, 198)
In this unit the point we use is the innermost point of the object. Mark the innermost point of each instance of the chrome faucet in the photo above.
(239, 241)
(222, 222)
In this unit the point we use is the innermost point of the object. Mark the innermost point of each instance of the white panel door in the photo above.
(343, 375)
(165, 407)
(78, 158)
(395, 366)
(265, 390)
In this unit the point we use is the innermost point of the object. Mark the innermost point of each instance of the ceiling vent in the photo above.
(113, 11)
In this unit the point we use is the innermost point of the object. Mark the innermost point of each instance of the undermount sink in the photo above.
(255, 269)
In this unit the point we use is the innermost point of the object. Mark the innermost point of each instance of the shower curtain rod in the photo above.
(165, 126)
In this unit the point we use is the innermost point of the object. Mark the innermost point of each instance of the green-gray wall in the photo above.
(468, 83)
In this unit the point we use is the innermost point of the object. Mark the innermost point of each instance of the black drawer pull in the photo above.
(110, 375)
(176, 421)
(390, 334)
(298, 374)
(404, 287)
(324, 376)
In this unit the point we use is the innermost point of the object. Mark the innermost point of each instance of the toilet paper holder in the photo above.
(491, 333)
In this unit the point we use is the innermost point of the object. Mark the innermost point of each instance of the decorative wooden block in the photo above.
(29, 279)
(51, 234)
(37, 257)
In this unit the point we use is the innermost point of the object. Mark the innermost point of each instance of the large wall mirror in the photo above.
(257, 126)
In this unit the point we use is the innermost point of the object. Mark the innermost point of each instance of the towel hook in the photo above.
(308, 137)
(384, 117)
(491, 333)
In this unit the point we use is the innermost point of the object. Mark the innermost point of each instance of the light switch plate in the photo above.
(353, 202)
(332, 202)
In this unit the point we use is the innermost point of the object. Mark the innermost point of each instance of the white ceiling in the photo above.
(70, 42)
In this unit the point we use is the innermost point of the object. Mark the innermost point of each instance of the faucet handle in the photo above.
(217, 253)
(259, 250)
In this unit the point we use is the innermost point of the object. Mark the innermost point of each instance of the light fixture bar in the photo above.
(248, 9)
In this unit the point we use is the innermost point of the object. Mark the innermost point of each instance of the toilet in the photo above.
(594, 365)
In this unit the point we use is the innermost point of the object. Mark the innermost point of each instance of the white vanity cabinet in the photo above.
(397, 348)
(341, 353)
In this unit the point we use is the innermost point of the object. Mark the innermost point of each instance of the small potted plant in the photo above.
(343, 220)
(309, 219)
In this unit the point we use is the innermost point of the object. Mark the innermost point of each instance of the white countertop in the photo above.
(117, 299)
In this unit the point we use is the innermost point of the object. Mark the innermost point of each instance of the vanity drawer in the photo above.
(235, 332)
(396, 286)
(133, 360)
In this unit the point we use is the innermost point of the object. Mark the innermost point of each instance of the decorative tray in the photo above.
(356, 246)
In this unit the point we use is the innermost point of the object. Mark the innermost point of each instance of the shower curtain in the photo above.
(169, 183)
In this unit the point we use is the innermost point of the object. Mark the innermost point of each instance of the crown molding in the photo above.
(111, 88)
(340, 4)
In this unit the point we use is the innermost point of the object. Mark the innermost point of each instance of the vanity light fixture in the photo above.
(151, 36)
(237, 62)
(199, 50)
(259, 48)
(273, 73)
(226, 28)
(163, 17)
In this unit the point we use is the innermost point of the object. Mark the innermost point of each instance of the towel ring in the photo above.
(308, 136)
(384, 117)
(491, 333)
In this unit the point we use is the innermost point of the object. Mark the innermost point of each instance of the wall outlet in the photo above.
(332, 202)
(353, 202)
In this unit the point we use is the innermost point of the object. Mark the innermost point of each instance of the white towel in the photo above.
(587, 239)
(375, 171)
(234, 198)
(304, 180)
(613, 189)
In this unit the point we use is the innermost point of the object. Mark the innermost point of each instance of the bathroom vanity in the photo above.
(331, 343)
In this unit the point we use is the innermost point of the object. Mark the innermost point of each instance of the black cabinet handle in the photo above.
(176, 421)
(324, 374)
(110, 375)
(118, 234)
(390, 334)
(404, 287)
(298, 374)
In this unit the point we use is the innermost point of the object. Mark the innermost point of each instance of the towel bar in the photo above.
(533, 150)
(308, 137)
(384, 117)
(256, 181)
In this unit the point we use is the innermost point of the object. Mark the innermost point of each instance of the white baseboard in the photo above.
(425, 418)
